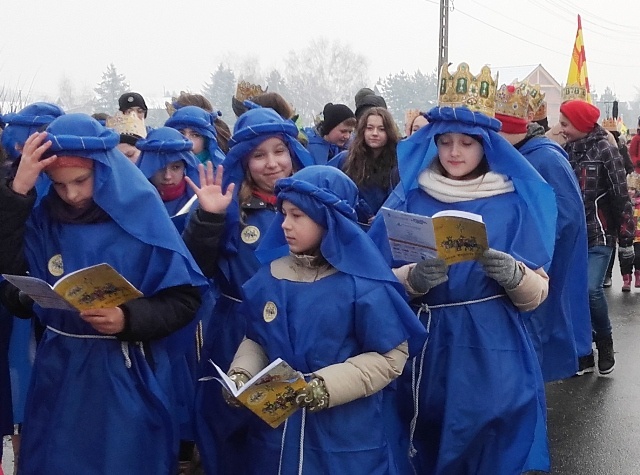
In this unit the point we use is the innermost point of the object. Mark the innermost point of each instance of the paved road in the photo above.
(594, 421)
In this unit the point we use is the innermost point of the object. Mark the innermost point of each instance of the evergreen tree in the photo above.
(220, 90)
(112, 86)
(403, 91)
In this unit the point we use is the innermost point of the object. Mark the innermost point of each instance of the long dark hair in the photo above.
(360, 165)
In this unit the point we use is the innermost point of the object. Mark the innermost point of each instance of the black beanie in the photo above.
(362, 93)
(368, 102)
(333, 115)
(132, 99)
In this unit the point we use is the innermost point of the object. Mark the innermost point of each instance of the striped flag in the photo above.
(578, 66)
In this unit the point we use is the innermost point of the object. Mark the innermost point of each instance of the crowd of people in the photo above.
(267, 242)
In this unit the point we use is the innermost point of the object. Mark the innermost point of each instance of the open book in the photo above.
(99, 286)
(270, 394)
(452, 235)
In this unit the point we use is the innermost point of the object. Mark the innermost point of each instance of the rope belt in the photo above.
(415, 383)
(124, 346)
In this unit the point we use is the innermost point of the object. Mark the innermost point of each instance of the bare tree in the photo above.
(324, 72)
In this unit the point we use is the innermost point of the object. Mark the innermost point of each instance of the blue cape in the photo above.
(201, 121)
(20, 125)
(418, 152)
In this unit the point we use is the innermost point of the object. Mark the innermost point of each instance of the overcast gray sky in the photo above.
(174, 45)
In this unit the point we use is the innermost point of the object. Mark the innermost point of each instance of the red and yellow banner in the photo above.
(578, 67)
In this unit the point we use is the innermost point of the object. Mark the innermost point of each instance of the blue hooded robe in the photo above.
(477, 394)
(95, 404)
(321, 150)
(220, 431)
(201, 121)
(162, 147)
(560, 327)
(367, 313)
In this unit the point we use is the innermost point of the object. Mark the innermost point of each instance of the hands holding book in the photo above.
(314, 396)
(502, 268)
(428, 273)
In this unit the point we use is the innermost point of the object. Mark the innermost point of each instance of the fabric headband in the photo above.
(286, 188)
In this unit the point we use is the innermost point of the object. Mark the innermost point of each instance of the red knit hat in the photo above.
(512, 125)
(582, 115)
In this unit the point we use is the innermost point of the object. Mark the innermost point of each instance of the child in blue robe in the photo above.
(476, 389)
(165, 160)
(198, 125)
(101, 394)
(337, 314)
(223, 233)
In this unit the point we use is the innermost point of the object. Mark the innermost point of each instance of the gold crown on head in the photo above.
(462, 89)
(127, 124)
(513, 100)
(536, 99)
(574, 92)
(245, 90)
(610, 124)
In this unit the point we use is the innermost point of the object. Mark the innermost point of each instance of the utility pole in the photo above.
(443, 47)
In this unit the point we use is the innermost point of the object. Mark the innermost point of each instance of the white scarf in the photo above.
(447, 190)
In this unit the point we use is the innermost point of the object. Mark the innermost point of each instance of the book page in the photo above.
(411, 236)
(271, 394)
(99, 286)
(39, 291)
(460, 236)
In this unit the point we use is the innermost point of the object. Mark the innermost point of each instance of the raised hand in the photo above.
(31, 164)
(210, 195)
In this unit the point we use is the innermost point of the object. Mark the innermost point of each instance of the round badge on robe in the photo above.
(270, 312)
(250, 234)
(55, 266)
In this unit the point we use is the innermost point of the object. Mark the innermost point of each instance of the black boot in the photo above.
(606, 360)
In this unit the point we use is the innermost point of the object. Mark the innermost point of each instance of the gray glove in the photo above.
(427, 274)
(626, 253)
(502, 268)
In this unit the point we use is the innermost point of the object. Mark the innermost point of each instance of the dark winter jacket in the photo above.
(603, 183)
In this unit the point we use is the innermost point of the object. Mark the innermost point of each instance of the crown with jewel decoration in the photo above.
(513, 100)
(574, 92)
(536, 99)
(462, 89)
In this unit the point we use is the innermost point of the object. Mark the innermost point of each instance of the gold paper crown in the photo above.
(610, 124)
(462, 89)
(513, 100)
(127, 124)
(536, 98)
(245, 90)
(541, 113)
(574, 91)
